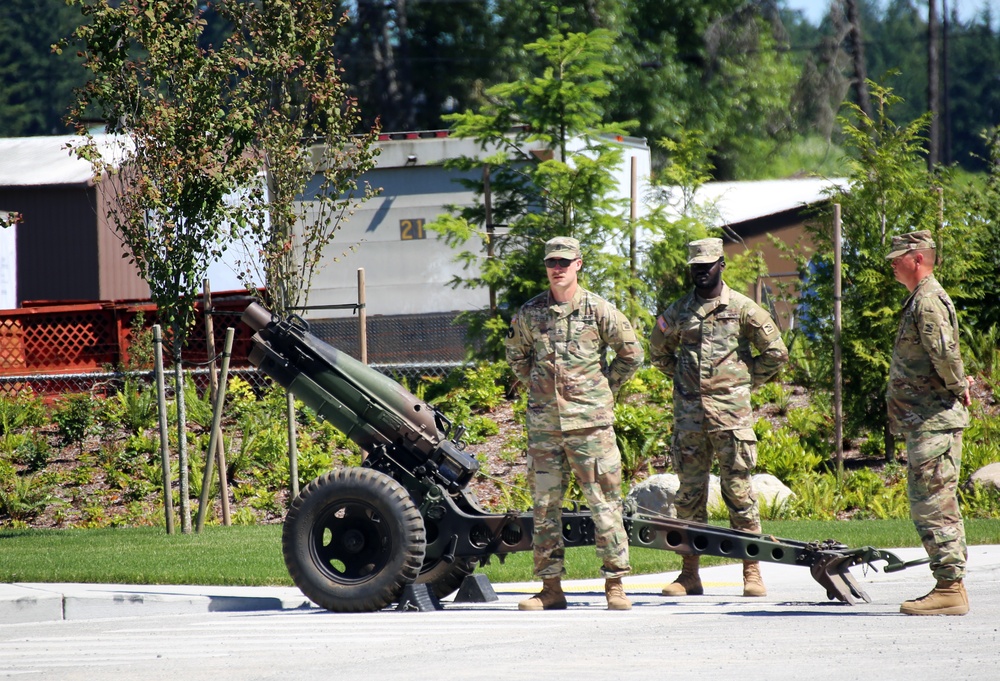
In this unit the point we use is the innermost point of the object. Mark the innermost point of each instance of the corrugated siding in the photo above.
(56, 243)
(119, 280)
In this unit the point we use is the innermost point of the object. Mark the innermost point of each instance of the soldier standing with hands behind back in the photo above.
(557, 346)
(927, 398)
(705, 342)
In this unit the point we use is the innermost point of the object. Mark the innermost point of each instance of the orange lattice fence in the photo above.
(75, 339)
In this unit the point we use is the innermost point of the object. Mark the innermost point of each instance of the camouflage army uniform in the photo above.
(706, 347)
(926, 386)
(558, 350)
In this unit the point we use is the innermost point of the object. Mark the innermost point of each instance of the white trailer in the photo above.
(408, 270)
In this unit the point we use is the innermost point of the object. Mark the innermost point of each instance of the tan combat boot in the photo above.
(551, 597)
(688, 583)
(615, 593)
(753, 584)
(946, 598)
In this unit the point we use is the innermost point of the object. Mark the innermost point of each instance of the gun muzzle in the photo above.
(256, 316)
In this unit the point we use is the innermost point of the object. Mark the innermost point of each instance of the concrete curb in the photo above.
(37, 602)
(27, 602)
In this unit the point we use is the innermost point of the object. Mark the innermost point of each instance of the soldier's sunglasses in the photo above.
(561, 262)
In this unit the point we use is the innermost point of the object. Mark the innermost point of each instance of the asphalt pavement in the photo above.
(42, 602)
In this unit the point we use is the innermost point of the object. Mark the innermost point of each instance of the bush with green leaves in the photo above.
(980, 443)
(468, 394)
(482, 387)
(807, 365)
(24, 497)
(74, 416)
(642, 431)
(770, 393)
(817, 495)
(25, 410)
(240, 398)
(34, 452)
(979, 501)
(780, 452)
(197, 404)
(197, 468)
(648, 384)
(866, 495)
(313, 460)
(133, 408)
(814, 426)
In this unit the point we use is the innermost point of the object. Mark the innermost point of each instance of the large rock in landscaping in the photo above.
(988, 475)
(656, 494)
(770, 490)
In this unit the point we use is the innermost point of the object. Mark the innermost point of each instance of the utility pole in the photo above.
(858, 55)
(933, 87)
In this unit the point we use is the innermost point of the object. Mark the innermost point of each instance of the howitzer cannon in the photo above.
(356, 537)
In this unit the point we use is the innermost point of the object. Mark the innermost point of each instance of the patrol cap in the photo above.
(914, 241)
(562, 247)
(704, 251)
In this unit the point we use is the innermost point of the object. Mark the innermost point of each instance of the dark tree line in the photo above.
(748, 75)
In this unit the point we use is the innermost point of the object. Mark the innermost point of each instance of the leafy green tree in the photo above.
(676, 218)
(719, 66)
(744, 102)
(303, 121)
(36, 86)
(972, 100)
(200, 114)
(179, 148)
(549, 177)
(898, 44)
(410, 63)
(891, 192)
(979, 208)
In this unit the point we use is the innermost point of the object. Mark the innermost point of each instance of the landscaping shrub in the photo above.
(133, 408)
(74, 415)
(781, 453)
(24, 498)
(24, 411)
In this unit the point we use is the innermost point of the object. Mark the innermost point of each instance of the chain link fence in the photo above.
(110, 382)
(400, 346)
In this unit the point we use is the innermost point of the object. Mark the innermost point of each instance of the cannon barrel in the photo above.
(370, 408)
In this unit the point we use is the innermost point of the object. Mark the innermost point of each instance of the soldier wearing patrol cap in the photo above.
(704, 341)
(927, 397)
(557, 346)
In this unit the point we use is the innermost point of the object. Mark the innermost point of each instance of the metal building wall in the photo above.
(118, 279)
(65, 251)
(56, 244)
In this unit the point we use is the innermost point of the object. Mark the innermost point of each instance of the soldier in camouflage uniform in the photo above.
(927, 398)
(716, 345)
(557, 347)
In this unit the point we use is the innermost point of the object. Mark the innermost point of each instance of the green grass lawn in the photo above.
(251, 555)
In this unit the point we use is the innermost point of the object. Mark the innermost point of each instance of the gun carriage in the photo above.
(354, 538)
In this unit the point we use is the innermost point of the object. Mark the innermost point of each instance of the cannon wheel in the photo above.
(445, 577)
(353, 540)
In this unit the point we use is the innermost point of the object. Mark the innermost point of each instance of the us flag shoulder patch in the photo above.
(662, 323)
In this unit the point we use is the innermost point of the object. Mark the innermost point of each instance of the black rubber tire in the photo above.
(445, 577)
(352, 540)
